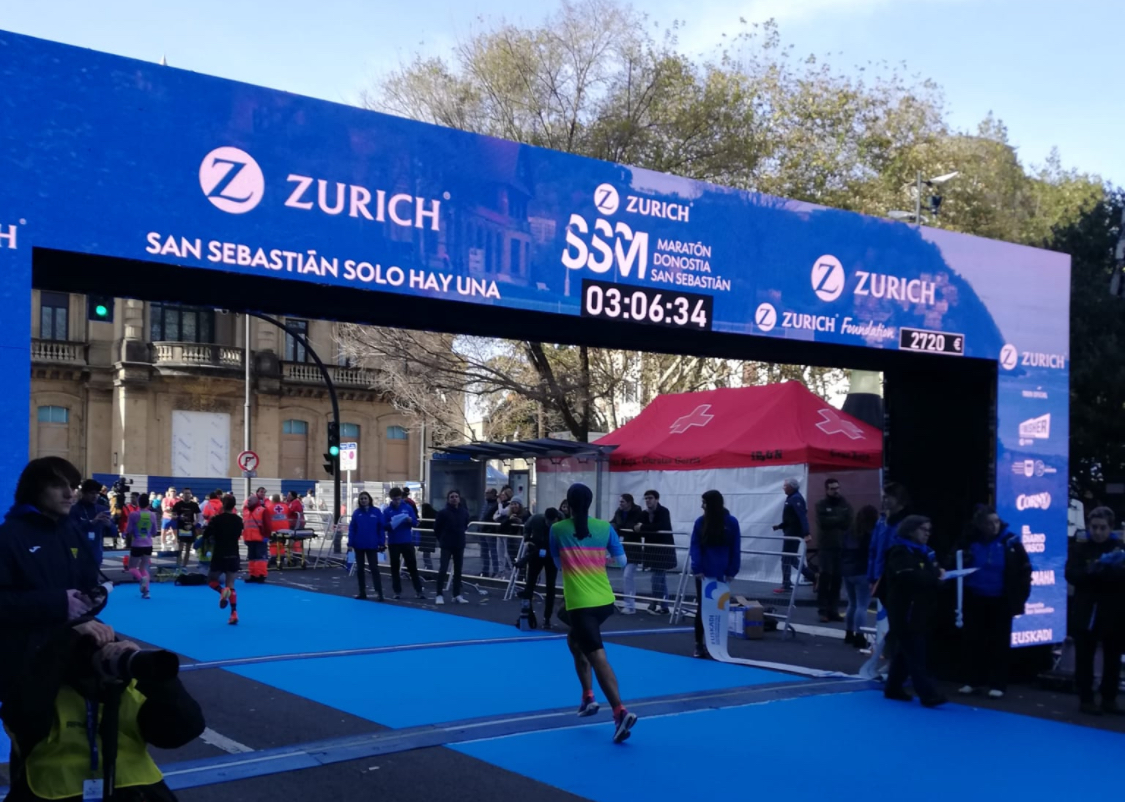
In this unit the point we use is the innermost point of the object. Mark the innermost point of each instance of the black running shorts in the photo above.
(140, 551)
(225, 565)
(586, 626)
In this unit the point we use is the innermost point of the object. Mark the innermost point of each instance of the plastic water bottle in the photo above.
(349, 561)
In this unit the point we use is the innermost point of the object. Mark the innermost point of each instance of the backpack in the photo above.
(190, 580)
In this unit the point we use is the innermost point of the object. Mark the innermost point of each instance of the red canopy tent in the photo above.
(743, 442)
(746, 427)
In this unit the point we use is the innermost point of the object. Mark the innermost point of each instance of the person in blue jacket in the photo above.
(367, 537)
(400, 522)
(994, 594)
(896, 509)
(716, 552)
(92, 516)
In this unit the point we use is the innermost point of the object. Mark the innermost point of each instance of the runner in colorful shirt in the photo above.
(579, 546)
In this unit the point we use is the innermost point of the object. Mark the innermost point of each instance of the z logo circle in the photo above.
(231, 180)
(606, 199)
(1009, 356)
(828, 278)
(766, 317)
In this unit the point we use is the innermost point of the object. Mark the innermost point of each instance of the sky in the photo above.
(1046, 68)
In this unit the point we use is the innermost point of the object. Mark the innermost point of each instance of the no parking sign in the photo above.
(349, 456)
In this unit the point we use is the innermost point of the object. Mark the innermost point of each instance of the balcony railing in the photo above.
(197, 355)
(308, 373)
(58, 352)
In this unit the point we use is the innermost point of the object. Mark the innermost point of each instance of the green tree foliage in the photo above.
(593, 79)
(1097, 331)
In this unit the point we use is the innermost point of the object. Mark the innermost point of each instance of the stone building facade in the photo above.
(160, 392)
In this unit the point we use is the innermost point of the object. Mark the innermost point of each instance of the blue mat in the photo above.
(875, 750)
(443, 685)
(277, 620)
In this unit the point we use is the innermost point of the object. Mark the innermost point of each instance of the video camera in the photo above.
(152, 665)
(121, 488)
(144, 665)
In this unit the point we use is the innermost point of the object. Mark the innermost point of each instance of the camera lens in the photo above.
(152, 665)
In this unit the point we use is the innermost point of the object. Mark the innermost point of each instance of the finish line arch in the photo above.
(156, 183)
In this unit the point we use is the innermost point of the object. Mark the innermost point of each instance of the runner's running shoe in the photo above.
(623, 723)
(588, 707)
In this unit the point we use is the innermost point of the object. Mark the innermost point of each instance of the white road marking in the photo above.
(233, 747)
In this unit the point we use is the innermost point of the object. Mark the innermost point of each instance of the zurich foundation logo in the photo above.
(231, 180)
(828, 278)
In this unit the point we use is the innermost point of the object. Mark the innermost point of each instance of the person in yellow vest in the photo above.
(255, 530)
(81, 724)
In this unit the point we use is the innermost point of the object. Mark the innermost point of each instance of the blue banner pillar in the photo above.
(15, 347)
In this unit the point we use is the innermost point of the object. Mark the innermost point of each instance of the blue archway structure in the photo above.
(122, 176)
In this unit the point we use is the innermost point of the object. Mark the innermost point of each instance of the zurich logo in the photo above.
(765, 317)
(1009, 356)
(828, 278)
(606, 199)
(232, 180)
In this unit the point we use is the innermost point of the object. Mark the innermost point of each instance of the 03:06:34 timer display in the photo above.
(603, 299)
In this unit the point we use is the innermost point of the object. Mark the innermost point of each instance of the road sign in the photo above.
(349, 456)
(248, 461)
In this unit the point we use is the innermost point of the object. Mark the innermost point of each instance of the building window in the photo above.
(396, 433)
(295, 350)
(53, 432)
(349, 431)
(294, 449)
(54, 415)
(54, 315)
(184, 324)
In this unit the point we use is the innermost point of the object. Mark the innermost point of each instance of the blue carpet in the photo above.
(442, 685)
(876, 749)
(277, 620)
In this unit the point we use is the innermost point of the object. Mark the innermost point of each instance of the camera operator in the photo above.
(81, 718)
(46, 567)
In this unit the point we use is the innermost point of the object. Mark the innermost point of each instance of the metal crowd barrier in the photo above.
(505, 551)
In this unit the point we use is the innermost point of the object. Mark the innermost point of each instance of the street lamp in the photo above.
(934, 205)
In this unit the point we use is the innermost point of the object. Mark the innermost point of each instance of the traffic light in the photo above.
(99, 308)
(332, 455)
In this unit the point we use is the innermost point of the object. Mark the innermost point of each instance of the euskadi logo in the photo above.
(828, 278)
(1009, 357)
(232, 180)
(765, 318)
(709, 592)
